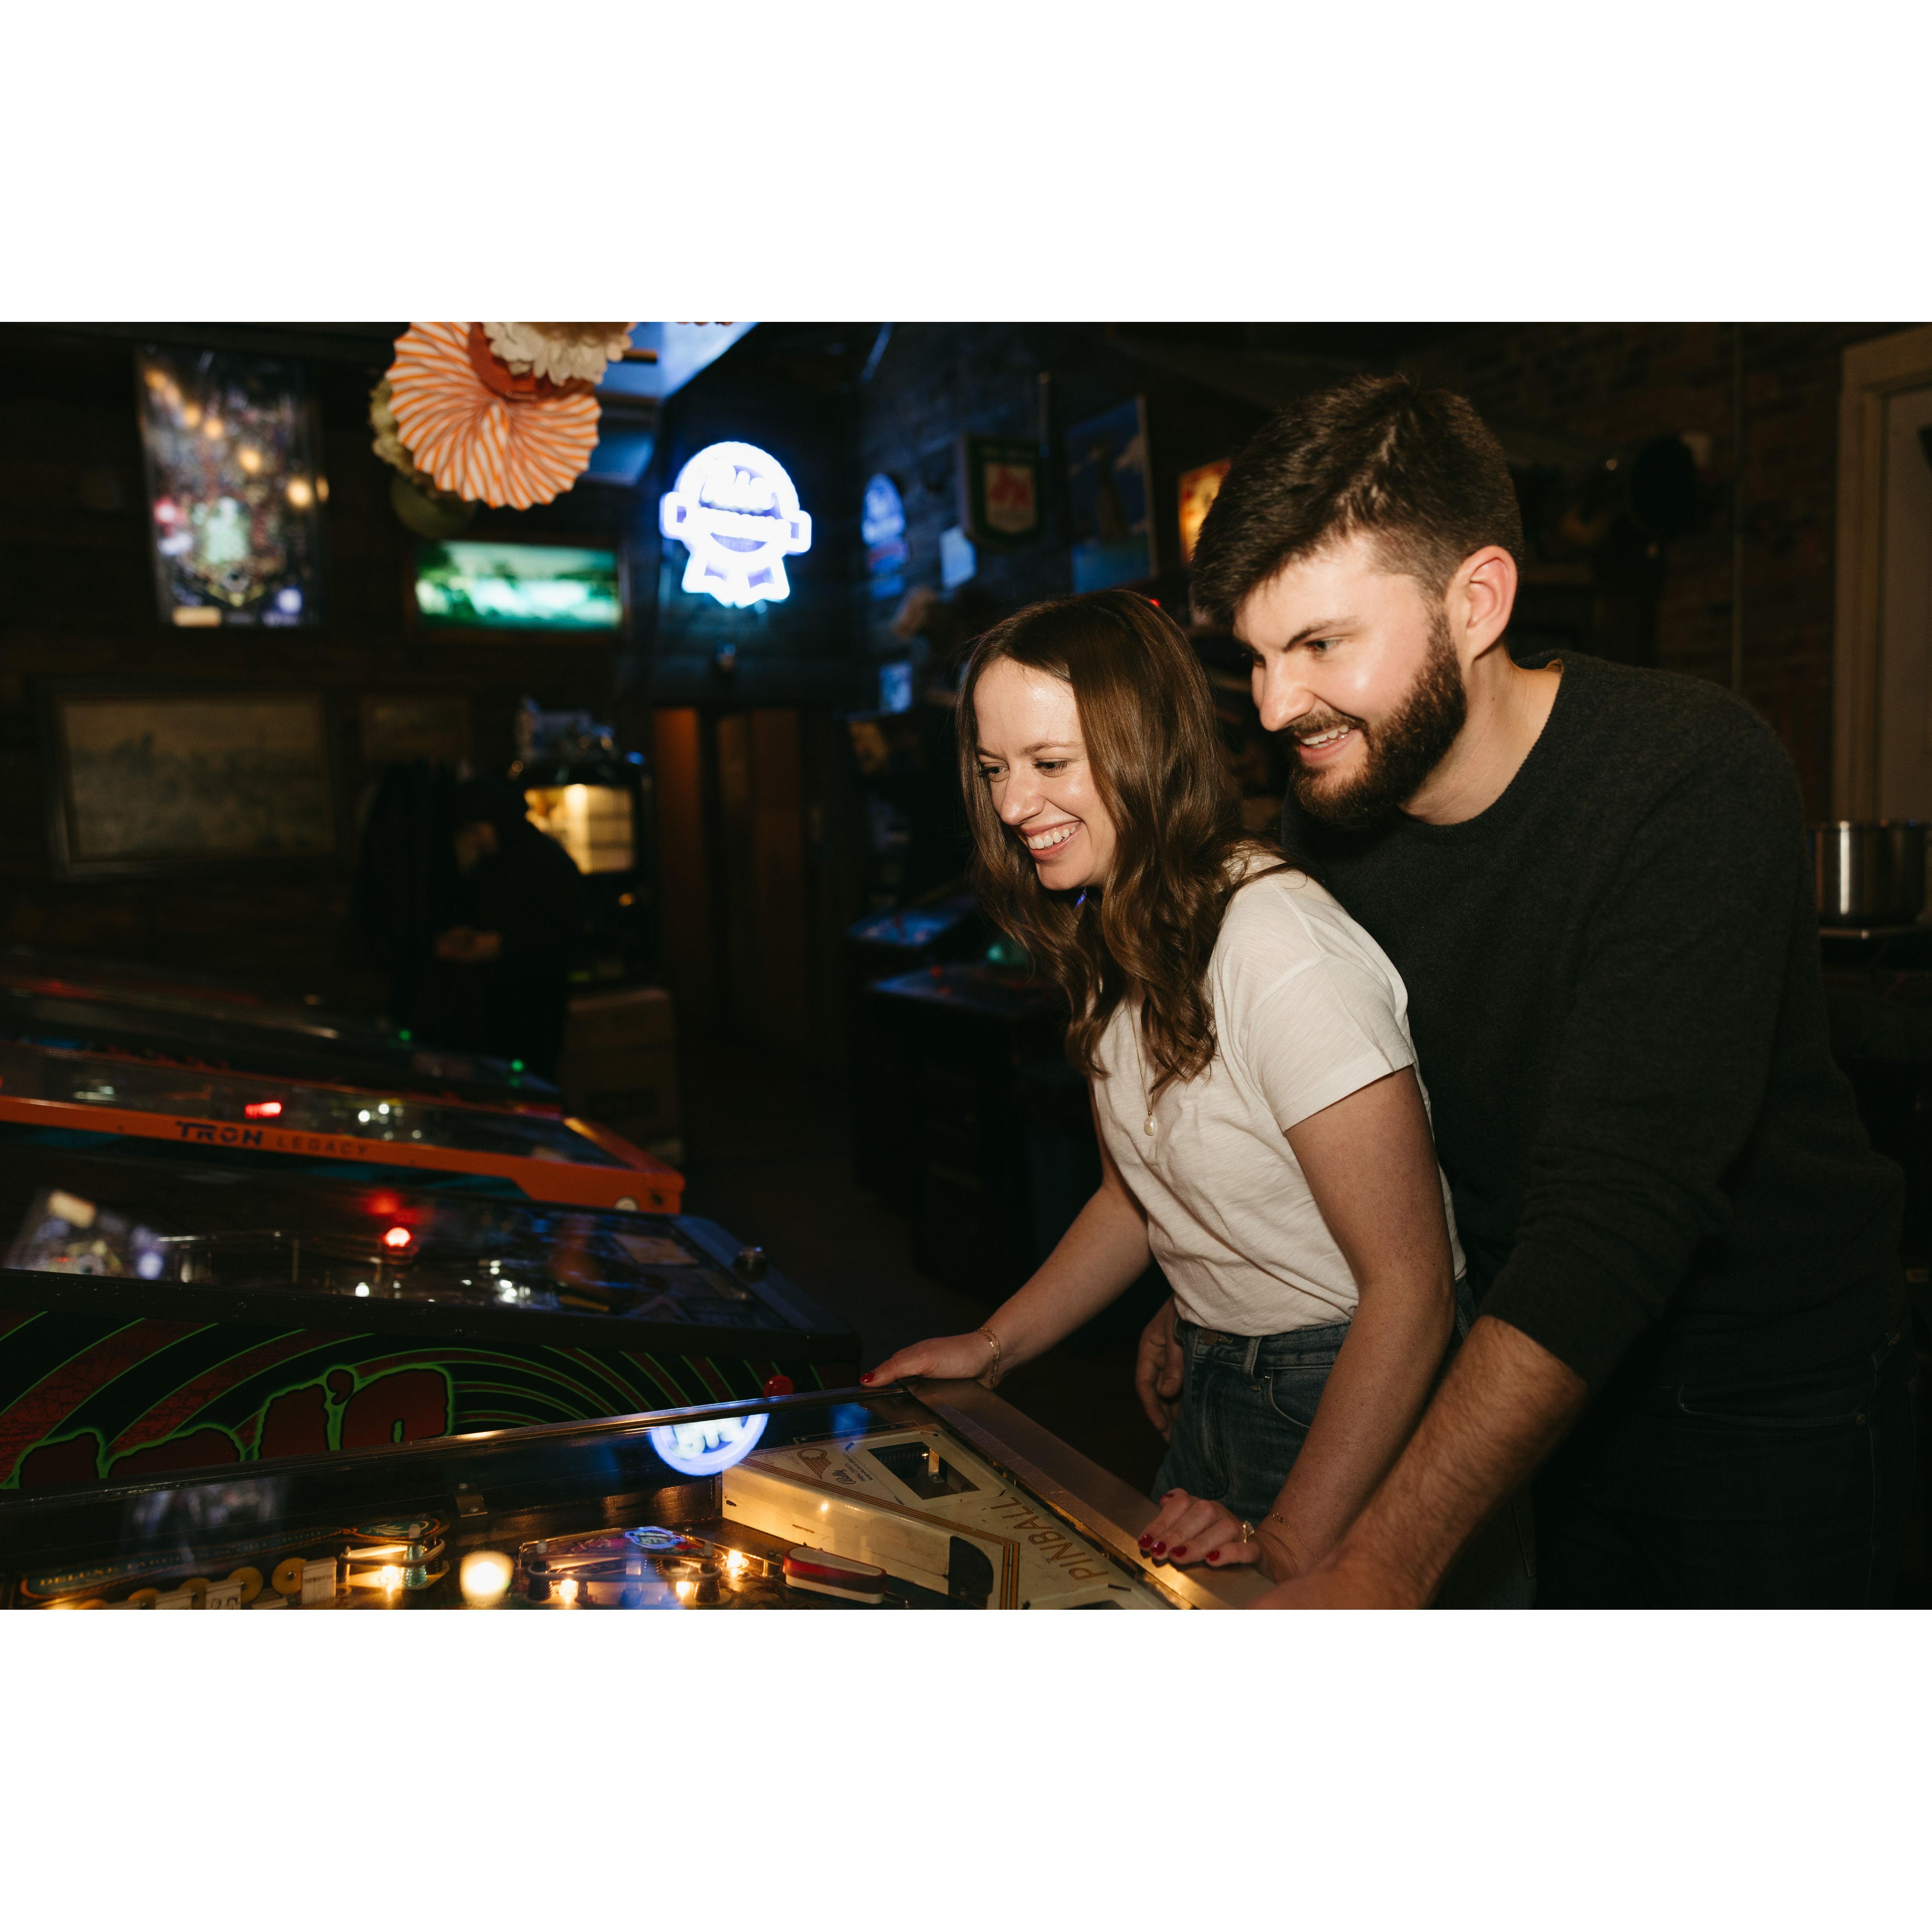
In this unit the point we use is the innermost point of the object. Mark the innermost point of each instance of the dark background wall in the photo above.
(773, 794)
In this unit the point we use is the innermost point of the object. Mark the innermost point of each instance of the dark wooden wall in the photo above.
(80, 605)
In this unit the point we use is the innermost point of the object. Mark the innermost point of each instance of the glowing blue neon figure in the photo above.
(704, 1448)
(734, 509)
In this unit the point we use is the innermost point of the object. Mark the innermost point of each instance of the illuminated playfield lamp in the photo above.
(735, 510)
(710, 1447)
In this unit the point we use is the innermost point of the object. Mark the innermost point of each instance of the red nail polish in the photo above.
(1160, 1550)
(1181, 1550)
(1145, 1540)
(864, 1380)
(1213, 1556)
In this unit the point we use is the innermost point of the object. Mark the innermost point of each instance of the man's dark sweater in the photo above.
(1614, 990)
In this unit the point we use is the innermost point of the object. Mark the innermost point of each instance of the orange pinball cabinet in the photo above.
(548, 1156)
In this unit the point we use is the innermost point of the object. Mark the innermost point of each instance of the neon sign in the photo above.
(735, 510)
(705, 1448)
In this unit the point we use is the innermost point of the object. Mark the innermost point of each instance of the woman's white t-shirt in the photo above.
(1308, 1009)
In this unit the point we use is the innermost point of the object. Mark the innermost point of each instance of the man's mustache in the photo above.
(1327, 721)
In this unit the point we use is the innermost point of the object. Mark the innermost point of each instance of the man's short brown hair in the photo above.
(1415, 469)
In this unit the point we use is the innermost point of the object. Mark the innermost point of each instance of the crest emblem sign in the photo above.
(736, 511)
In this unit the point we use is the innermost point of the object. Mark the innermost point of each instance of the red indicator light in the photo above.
(397, 1238)
(262, 1110)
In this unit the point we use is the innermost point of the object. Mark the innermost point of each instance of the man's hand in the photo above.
(1157, 1368)
(1504, 1405)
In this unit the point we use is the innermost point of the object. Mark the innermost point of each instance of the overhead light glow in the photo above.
(262, 1110)
(397, 1238)
(704, 1448)
(735, 510)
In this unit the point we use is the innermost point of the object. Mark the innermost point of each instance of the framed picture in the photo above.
(235, 492)
(485, 587)
(999, 491)
(155, 781)
(1108, 499)
(1199, 489)
(399, 726)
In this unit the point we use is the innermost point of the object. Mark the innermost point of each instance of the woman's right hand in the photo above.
(946, 1358)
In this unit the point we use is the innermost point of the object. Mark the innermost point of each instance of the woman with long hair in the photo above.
(1263, 1133)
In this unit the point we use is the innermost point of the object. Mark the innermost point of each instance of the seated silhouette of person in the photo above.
(520, 900)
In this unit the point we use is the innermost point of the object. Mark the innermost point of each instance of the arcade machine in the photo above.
(161, 1314)
(596, 802)
(98, 1007)
(840, 1500)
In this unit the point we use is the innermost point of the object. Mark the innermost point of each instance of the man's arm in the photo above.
(1504, 1405)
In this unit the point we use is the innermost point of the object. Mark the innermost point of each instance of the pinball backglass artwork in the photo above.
(234, 490)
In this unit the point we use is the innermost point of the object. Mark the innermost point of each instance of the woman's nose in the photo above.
(1018, 802)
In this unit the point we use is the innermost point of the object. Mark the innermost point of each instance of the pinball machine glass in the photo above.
(841, 1501)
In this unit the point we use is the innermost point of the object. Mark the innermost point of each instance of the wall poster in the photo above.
(1108, 499)
(234, 494)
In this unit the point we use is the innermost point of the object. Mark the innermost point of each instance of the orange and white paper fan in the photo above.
(481, 432)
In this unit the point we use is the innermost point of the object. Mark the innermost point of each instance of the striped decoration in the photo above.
(476, 442)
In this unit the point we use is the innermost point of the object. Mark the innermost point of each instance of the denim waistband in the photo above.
(1293, 1348)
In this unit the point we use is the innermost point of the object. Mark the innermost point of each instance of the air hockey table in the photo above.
(102, 1007)
(160, 1314)
(547, 1155)
(933, 1496)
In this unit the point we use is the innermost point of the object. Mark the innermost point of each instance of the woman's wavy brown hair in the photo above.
(1146, 717)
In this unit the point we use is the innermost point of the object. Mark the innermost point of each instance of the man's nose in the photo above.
(1282, 699)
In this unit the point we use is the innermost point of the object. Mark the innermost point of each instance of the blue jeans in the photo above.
(1246, 1403)
(1784, 1491)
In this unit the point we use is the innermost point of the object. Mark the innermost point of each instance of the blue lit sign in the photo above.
(734, 509)
(705, 1448)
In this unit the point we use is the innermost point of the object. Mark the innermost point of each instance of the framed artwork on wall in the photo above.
(999, 491)
(235, 491)
(1107, 498)
(156, 780)
(1199, 489)
(398, 726)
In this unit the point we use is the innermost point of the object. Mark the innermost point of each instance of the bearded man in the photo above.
(1691, 1328)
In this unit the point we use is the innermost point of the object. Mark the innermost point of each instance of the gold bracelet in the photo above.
(993, 1372)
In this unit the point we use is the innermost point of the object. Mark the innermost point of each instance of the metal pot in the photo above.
(1869, 872)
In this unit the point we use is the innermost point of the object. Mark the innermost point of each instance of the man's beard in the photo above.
(1399, 755)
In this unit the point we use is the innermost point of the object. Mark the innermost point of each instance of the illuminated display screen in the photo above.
(517, 587)
(591, 823)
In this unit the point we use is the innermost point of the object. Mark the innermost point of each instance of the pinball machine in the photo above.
(49, 999)
(161, 1313)
(937, 1497)
(60, 1089)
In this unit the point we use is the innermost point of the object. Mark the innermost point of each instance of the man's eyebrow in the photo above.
(1326, 627)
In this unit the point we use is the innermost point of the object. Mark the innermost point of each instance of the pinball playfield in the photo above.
(944, 1499)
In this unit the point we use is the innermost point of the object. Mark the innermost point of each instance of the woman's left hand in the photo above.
(1188, 1529)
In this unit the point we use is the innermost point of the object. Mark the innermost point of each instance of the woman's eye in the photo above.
(1049, 764)
(989, 772)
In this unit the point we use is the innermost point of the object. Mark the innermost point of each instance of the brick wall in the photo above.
(1623, 383)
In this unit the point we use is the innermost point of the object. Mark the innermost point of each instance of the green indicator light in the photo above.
(516, 1067)
(403, 1033)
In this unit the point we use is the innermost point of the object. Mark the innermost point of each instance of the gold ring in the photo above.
(1247, 1531)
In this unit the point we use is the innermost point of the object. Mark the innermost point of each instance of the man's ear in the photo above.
(1482, 595)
